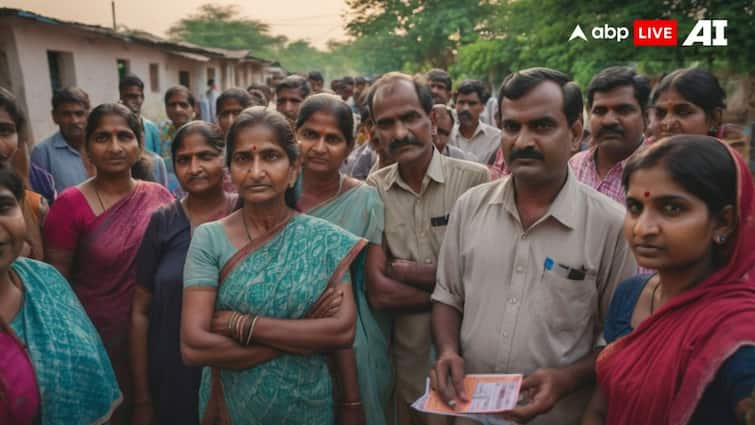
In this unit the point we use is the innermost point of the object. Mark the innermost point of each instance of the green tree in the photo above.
(223, 27)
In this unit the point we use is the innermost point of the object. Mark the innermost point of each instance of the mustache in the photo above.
(465, 114)
(526, 153)
(400, 143)
(610, 130)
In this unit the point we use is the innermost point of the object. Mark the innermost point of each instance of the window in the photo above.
(210, 73)
(61, 69)
(184, 78)
(123, 68)
(154, 77)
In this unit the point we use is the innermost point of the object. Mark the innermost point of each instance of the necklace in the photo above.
(97, 192)
(652, 298)
(246, 226)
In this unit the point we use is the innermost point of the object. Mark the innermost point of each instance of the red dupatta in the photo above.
(657, 374)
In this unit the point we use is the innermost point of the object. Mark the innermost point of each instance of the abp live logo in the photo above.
(663, 32)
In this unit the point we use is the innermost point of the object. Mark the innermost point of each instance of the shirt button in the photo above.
(519, 269)
(524, 236)
(513, 300)
(422, 233)
(428, 260)
(504, 334)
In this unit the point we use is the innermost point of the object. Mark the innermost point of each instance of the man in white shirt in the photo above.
(472, 135)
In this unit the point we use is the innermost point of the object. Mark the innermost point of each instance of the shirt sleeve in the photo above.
(449, 288)
(149, 254)
(202, 266)
(375, 219)
(62, 224)
(39, 157)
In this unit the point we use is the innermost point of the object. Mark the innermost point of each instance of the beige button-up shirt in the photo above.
(536, 297)
(415, 224)
(483, 144)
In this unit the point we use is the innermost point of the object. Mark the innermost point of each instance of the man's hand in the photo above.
(447, 378)
(543, 388)
(400, 269)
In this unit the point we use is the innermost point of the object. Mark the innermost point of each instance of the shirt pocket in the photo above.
(566, 305)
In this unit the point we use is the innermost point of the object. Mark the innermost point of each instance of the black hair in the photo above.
(360, 80)
(696, 85)
(421, 88)
(701, 165)
(448, 111)
(180, 90)
(11, 181)
(473, 86)
(142, 168)
(347, 80)
(234, 93)
(294, 82)
(212, 134)
(520, 83)
(9, 103)
(315, 75)
(130, 80)
(261, 87)
(70, 95)
(438, 75)
(259, 115)
(331, 104)
(335, 84)
(620, 76)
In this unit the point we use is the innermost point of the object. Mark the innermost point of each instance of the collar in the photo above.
(434, 172)
(593, 152)
(563, 208)
(59, 142)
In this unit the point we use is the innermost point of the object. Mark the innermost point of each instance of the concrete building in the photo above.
(39, 55)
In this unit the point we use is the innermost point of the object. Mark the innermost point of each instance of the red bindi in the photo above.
(647, 194)
(254, 148)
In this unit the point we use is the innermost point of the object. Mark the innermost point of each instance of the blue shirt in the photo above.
(151, 136)
(55, 156)
(734, 381)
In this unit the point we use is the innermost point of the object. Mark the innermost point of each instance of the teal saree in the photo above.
(280, 275)
(360, 211)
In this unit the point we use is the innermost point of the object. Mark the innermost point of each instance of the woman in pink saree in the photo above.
(93, 232)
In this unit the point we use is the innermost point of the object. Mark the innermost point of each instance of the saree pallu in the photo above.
(360, 211)
(104, 272)
(657, 374)
(76, 382)
(19, 395)
(281, 275)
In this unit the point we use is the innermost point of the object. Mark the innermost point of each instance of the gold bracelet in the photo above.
(230, 320)
(240, 328)
(251, 330)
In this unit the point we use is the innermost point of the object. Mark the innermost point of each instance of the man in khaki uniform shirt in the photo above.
(419, 192)
(530, 262)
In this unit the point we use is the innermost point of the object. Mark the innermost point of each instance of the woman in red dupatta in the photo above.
(94, 230)
(696, 346)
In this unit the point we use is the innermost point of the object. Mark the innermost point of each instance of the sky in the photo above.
(317, 21)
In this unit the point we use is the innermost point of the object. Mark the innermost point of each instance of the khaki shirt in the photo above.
(415, 224)
(532, 298)
(483, 144)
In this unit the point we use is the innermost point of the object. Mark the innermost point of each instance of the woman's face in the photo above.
(323, 145)
(198, 166)
(673, 114)
(12, 228)
(113, 147)
(8, 138)
(260, 167)
(667, 227)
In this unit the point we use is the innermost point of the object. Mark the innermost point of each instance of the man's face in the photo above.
(468, 108)
(535, 137)
(179, 110)
(347, 90)
(316, 85)
(288, 103)
(616, 121)
(72, 119)
(443, 126)
(400, 122)
(441, 92)
(133, 97)
(359, 89)
(258, 97)
(229, 110)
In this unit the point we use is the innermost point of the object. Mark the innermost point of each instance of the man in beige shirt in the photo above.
(470, 134)
(418, 192)
(530, 262)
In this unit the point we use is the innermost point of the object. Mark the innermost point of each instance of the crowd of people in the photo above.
(298, 255)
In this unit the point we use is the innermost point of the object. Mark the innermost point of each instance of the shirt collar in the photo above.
(562, 208)
(59, 142)
(593, 152)
(435, 171)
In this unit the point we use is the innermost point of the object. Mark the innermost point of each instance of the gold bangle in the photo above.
(240, 327)
(230, 320)
(251, 330)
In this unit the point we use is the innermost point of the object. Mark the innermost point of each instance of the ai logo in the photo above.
(702, 31)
